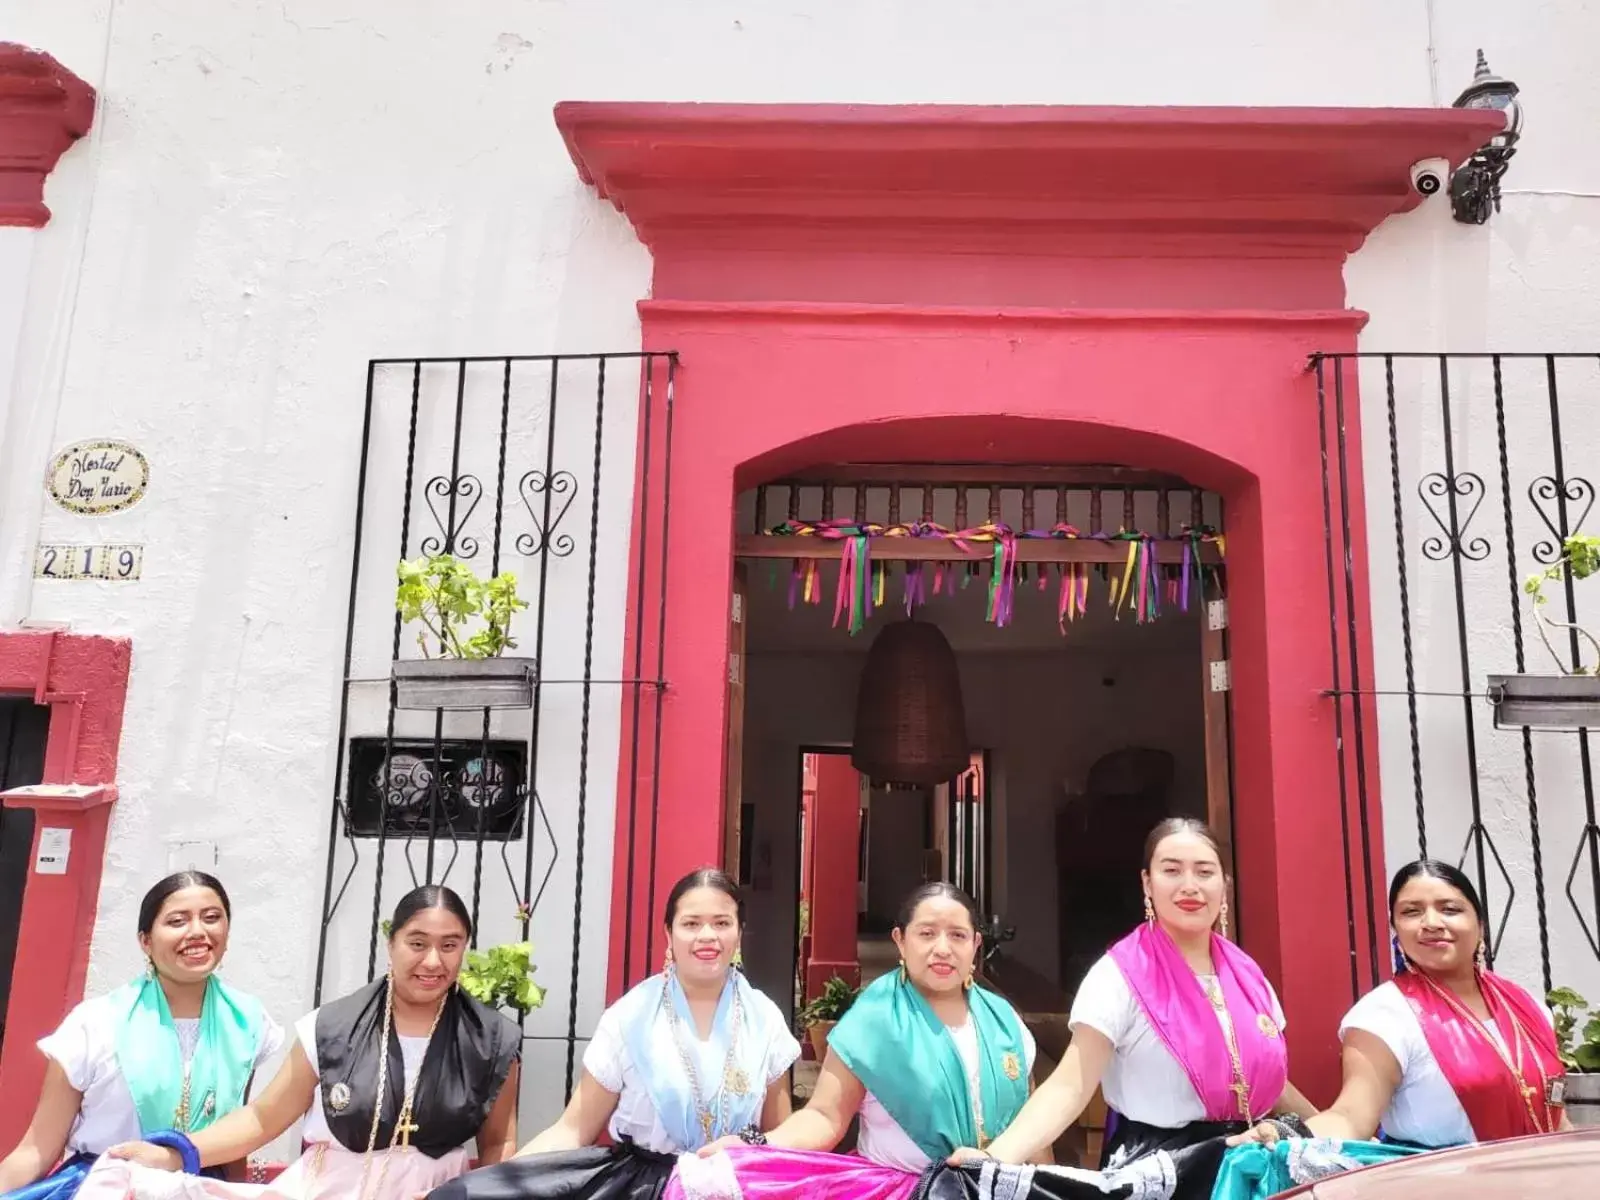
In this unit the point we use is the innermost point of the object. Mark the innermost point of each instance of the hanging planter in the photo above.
(442, 595)
(911, 725)
(1566, 701)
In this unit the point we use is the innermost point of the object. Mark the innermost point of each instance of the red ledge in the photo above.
(59, 797)
(44, 108)
(1106, 179)
(823, 312)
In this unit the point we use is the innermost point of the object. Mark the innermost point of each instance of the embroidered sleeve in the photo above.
(1382, 1012)
(782, 1048)
(305, 1032)
(73, 1047)
(606, 1054)
(1104, 1002)
(272, 1040)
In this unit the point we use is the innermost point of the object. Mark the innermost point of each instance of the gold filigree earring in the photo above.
(737, 961)
(1149, 910)
(1483, 954)
(1222, 919)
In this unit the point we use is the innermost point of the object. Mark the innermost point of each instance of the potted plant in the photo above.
(1570, 699)
(1578, 1036)
(460, 669)
(819, 1016)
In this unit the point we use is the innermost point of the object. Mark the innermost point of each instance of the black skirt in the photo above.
(1138, 1161)
(621, 1172)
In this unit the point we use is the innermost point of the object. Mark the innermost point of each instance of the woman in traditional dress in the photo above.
(925, 1057)
(393, 1080)
(173, 1049)
(1178, 1026)
(1444, 1054)
(683, 1058)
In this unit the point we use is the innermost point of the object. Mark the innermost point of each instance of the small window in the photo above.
(451, 789)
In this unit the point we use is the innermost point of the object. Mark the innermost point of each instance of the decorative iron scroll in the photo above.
(452, 521)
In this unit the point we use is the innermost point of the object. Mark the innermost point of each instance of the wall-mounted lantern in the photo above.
(1475, 186)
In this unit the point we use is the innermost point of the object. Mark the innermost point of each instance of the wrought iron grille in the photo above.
(522, 464)
(1470, 488)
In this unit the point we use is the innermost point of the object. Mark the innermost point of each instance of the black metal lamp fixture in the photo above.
(1475, 185)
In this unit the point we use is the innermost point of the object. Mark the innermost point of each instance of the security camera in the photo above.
(1430, 175)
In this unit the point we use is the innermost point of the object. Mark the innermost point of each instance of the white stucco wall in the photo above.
(275, 193)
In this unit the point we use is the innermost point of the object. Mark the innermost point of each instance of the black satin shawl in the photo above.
(467, 1061)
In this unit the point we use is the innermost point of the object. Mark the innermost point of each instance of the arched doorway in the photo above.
(1049, 286)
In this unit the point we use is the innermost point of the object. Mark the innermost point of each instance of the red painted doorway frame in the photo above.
(1019, 285)
(84, 682)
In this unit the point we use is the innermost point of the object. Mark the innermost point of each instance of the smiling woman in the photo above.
(1446, 1053)
(393, 1081)
(688, 1056)
(175, 1049)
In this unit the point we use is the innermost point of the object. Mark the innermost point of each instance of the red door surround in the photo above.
(84, 681)
(1034, 285)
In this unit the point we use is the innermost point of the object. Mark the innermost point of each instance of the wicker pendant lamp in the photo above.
(911, 726)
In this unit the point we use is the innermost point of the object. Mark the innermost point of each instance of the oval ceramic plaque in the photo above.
(98, 477)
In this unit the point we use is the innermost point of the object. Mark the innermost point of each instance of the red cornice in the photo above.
(44, 108)
(1266, 182)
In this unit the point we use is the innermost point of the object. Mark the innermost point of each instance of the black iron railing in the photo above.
(507, 463)
(1475, 493)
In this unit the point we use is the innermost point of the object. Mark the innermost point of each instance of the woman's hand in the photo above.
(146, 1155)
(721, 1144)
(966, 1154)
(1265, 1132)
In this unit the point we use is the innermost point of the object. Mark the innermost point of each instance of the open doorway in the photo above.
(1094, 682)
(1084, 610)
(24, 728)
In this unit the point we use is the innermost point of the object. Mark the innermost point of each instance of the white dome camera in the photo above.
(1430, 175)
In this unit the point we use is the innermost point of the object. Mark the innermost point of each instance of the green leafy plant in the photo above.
(1580, 558)
(830, 1004)
(502, 977)
(444, 596)
(1579, 1043)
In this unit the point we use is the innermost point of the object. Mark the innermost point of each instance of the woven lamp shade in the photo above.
(911, 726)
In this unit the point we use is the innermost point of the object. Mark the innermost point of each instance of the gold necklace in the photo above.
(403, 1121)
(1239, 1087)
(1518, 1036)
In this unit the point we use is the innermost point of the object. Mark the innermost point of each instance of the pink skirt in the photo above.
(764, 1173)
(324, 1172)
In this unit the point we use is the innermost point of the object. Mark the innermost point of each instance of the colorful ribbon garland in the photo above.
(863, 583)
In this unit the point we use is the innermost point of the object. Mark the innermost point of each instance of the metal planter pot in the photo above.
(1550, 702)
(1583, 1099)
(464, 684)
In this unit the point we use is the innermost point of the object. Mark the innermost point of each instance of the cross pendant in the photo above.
(405, 1129)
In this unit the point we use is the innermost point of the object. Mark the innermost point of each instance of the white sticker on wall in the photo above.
(55, 848)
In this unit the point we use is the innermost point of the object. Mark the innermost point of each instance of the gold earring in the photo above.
(737, 962)
(903, 975)
(1483, 954)
(967, 986)
(149, 967)
(1222, 918)
(1149, 910)
(666, 960)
